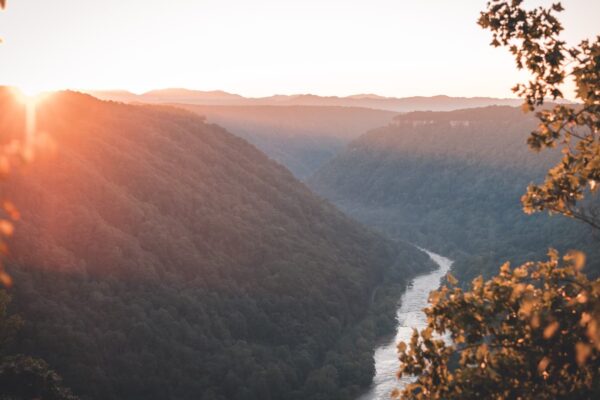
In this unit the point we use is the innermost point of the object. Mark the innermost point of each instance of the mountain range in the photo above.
(404, 104)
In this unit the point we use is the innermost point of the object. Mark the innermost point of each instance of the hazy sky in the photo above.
(264, 47)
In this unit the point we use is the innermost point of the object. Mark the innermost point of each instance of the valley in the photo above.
(299, 200)
(210, 276)
(301, 138)
(187, 264)
(449, 181)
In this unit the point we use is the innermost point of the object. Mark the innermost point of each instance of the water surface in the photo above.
(410, 315)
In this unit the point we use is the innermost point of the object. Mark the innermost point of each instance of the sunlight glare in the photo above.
(30, 99)
(27, 95)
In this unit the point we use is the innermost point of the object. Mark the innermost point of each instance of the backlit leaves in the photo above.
(551, 329)
(533, 37)
(533, 331)
(7, 229)
(523, 334)
(9, 214)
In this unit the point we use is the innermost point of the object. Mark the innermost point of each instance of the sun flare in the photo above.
(30, 99)
(29, 96)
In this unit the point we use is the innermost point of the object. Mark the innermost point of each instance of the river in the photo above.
(410, 315)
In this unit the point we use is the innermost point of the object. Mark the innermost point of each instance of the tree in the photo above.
(533, 37)
(529, 332)
(27, 378)
(12, 153)
(9, 325)
(532, 331)
(23, 377)
(6, 227)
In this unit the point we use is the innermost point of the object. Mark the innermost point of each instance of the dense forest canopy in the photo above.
(452, 182)
(162, 257)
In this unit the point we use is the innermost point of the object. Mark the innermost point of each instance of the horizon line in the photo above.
(290, 94)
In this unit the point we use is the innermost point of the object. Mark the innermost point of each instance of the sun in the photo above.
(29, 91)
(28, 96)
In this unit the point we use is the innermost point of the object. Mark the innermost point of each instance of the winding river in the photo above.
(409, 316)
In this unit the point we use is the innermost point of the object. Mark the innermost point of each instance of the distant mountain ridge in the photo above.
(218, 97)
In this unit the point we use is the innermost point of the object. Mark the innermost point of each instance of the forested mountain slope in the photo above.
(452, 181)
(161, 257)
(300, 137)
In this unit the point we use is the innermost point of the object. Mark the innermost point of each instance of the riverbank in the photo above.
(377, 326)
(409, 315)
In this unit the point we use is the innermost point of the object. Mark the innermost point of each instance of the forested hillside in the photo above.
(452, 182)
(161, 257)
(301, 138)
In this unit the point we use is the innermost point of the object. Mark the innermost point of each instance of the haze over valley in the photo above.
(299, 131)
(282, 200)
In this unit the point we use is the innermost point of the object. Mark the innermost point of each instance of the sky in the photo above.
(263, 47)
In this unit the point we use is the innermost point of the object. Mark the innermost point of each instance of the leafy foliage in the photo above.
(533, 36)
(7, 153)
(9, 325)
(27, 378)
(529, 332)
(22, 377)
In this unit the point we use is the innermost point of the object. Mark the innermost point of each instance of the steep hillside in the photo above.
(161, 257)
(300, 137)
(452, 182)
